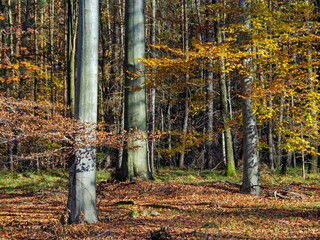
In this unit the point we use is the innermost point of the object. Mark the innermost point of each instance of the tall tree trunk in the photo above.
(11, 55)
(51, 51)
(25, 26)
(230, 165)
(105, 44)
(82, 185)
(153, 89)
(210, 94)
(36, 51)
(135, 159)
(8, 93)
(185, 36)
(314, 142)
(121, 71)
(250, 181)
(72, 26)
(230, 168)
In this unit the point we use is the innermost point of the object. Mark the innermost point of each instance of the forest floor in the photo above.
(195, 209)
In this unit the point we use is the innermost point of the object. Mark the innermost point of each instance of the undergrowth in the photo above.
(31, 181)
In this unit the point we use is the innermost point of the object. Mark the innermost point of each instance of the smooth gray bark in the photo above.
(120, 43)
(250, 180)
(135, 158)
(153, 89)
(185, 37)
(82, 185)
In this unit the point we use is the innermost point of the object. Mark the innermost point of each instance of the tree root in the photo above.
(287, 195)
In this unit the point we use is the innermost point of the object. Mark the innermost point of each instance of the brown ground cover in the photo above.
(137, 209)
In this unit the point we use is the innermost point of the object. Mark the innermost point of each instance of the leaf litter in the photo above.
(167, 210)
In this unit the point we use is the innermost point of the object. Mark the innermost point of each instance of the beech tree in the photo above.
(250, 180)
(82, 185)
(135, 159)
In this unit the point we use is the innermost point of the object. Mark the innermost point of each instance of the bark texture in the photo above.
(82, 185)
(135, 158)
(250, 181)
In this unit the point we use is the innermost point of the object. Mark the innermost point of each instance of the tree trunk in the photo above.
(72, 25)
(135, 159)
(230, 168)
(314, 142)
(36, 52)
(51, 50)
(121, 71)
(250, 181)
(210, 111)
(271, 145)
(82, 185)
(279, 151)
(210, 97)
(153, 89)
(185, 36)
(228, 144)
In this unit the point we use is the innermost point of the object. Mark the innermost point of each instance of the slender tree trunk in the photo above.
(185, 36)
(294, 164)
(303, 166)
(153, 89)
(135, 162)
(72, 26)
(271, 145)
(279, 150)
(230, 170)
(105, 44)
(210, 111)
(8, 93)
(314, 142)
(51, 51)
(36, 51)
(184, 133)
(10, 156)
(24, 43)
(210, 94)
(169, 129)
(82, 185)
(121, 71)
(18, 23)
(228, 144)
(11, 55)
